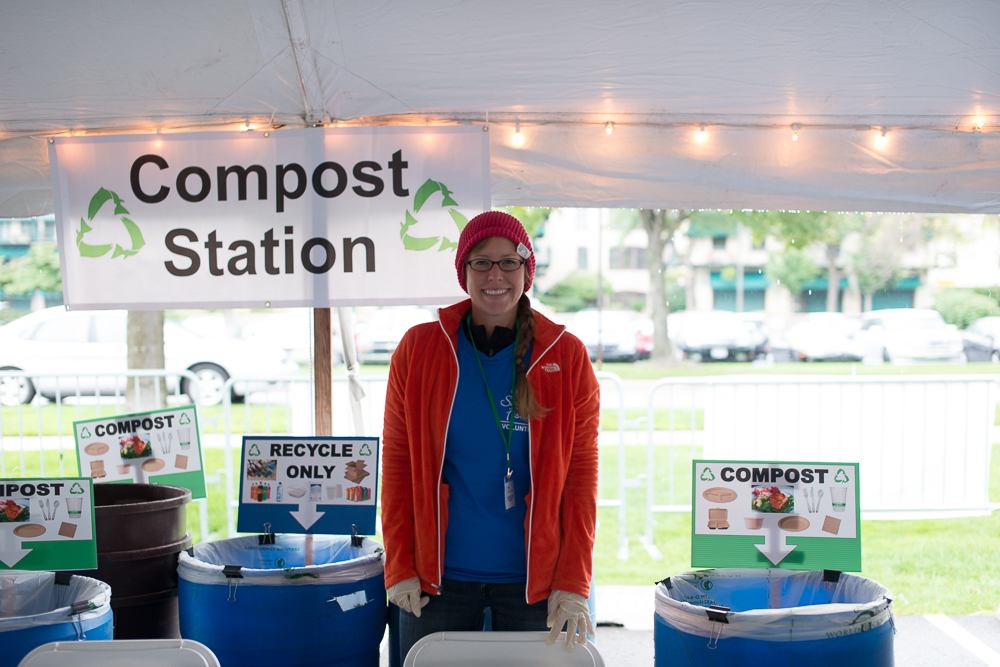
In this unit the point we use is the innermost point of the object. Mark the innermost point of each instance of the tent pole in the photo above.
(322, 371)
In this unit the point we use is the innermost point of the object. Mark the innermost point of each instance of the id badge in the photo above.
(508, 492)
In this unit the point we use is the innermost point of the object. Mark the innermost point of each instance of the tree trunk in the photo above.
(145, 350)
(833, 278)
(659, 229)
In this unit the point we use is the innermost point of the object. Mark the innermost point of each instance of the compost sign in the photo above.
(317, 217)
(47, 524)
(308, 485)
(794, 515)
(156, 447)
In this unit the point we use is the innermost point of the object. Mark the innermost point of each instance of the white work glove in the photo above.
(571, 610)
(406, 596)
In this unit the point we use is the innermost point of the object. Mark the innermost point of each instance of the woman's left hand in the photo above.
(571, 610)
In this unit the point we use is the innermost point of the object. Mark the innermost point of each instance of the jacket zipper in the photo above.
(454, 395)
(531, 474)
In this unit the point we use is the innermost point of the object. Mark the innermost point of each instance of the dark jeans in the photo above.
(461, 607)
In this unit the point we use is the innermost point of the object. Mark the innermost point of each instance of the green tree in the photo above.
(802, 229)
(39, 269)
(532, 217)
(792, 268)
(962, 307)
(575, 292)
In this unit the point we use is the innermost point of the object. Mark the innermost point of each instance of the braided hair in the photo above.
(527, 405)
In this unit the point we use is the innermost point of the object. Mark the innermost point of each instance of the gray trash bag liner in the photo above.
(29, 599)
(774, 605)
(335, 561)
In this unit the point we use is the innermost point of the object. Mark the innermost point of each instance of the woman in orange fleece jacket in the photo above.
(489, 464)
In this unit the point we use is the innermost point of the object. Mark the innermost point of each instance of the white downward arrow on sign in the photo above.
(775, 548)
(11, 552)
(307, 515)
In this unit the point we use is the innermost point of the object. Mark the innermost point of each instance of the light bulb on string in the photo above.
(881, 139)
(518, 138)
(700, 134)
(610, 127)
(979, 125)
(795, 131)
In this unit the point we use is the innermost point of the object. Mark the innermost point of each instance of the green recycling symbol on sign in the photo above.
(76, 489)
(842, 477)
(184, 419)
(429, 188)
(96, 203)
(707, 475)
(365, 450)
(85, 433)
(254, 451)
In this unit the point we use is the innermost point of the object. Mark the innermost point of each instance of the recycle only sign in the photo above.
(308, 485)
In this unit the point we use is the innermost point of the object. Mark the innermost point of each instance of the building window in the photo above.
(627, 258)
(757, 244)
(719, 242)
(5, 231)
(581, 259)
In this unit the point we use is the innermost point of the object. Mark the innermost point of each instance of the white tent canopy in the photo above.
(925, 72)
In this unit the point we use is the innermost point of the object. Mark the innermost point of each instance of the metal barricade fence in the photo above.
(923, 443)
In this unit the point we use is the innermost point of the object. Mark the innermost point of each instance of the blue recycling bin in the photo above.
(253, 603)
(746, 616)
(42, 607)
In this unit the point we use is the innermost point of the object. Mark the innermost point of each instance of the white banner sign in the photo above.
(322, 217)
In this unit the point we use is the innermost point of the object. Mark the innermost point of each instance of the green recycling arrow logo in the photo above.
(96, 203)
(365, 450)
(707, 475)
(429, 188)
(841, 477)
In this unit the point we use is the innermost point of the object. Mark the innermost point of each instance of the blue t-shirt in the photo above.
(483, 540)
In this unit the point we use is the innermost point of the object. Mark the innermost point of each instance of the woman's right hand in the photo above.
(406, 596)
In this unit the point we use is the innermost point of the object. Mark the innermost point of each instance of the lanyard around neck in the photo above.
(513, 386)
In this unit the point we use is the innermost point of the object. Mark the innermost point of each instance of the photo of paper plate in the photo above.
(296, 492)
(793, 524)
(152, 465)
(96, 449)
(29, 530)
(719, 494)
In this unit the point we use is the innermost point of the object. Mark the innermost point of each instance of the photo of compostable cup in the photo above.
(838, 496)
(74, 506)
(753, 522)
(184, 436)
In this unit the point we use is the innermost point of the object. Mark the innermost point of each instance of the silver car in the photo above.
(912, 335)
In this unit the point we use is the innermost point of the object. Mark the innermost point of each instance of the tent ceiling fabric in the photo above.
(561, 69)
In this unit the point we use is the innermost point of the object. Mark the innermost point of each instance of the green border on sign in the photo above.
(67, 554)
(193, 481)
(817, 553)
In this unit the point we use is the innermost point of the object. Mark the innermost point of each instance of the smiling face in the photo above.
(494, 293)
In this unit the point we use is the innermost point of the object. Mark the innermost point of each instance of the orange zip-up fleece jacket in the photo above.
(561, 521)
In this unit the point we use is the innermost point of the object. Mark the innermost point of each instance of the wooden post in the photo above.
(323, 381)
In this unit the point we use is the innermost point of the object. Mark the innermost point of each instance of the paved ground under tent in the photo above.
(921, 641)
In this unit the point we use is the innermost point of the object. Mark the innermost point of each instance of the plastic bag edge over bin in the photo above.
(793, 623)
(36, 585)
(365, 563)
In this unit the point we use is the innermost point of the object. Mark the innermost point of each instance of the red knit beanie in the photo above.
(494, 223)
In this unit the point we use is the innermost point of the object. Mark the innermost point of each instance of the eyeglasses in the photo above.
(507, 264)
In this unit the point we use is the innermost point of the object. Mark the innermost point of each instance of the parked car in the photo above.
(291, 330)
(379, 334)
(912, 335)
(624, 334)
(982, 339)
(77, 344)
(825, 337)
(715, 335)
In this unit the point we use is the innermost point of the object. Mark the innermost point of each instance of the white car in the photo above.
(715, 335)
(624, 334)
(378, 335)
(75, 344)
(912, 335)
(825, 337)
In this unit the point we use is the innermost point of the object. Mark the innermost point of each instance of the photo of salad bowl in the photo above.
(134, 447)
(772, 499)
